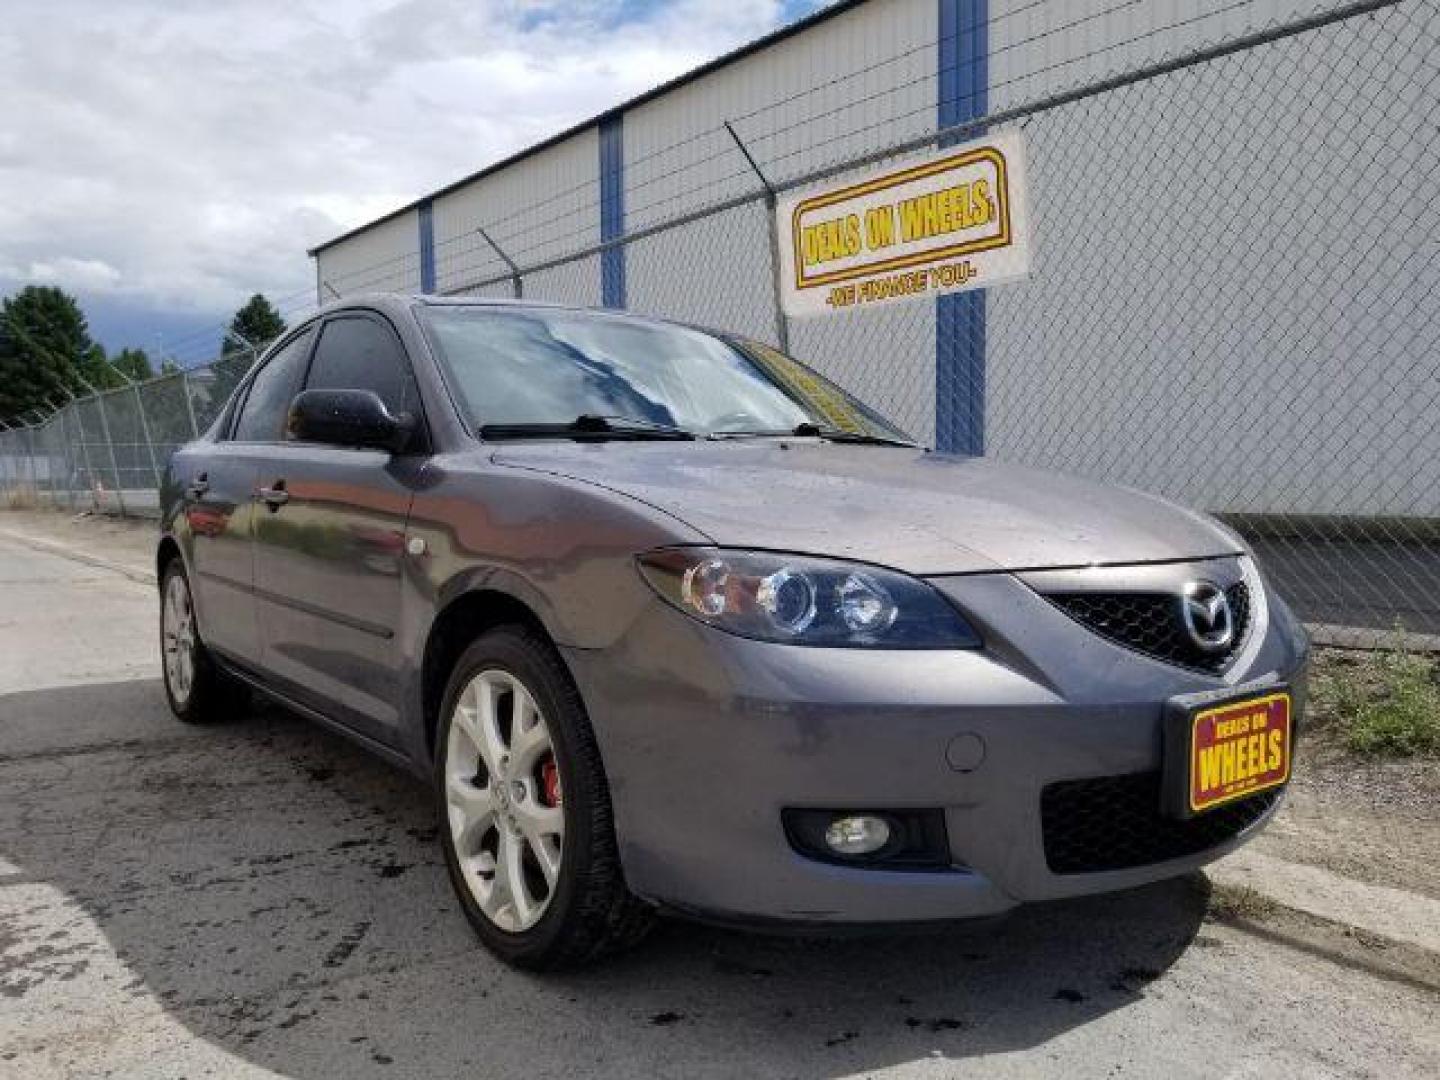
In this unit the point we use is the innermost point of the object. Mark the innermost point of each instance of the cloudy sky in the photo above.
(163, 159)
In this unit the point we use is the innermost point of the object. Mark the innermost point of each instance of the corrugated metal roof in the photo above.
(765, 42)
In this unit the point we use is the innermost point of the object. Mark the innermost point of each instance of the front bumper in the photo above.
(707, 738)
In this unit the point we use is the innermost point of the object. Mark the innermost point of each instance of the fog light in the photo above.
(862, 834)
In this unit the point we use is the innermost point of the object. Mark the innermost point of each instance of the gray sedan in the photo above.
(672, 623)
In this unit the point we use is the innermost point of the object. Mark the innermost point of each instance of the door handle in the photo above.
(275, 497)
(197, 487)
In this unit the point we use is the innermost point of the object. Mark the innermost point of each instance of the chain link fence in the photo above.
(107, 451)
(1233, 301)
(1259, 333)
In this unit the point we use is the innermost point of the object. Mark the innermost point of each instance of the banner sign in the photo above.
(952, 221)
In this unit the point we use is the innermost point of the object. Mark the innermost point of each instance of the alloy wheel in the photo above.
(503, 803)
(177, 627)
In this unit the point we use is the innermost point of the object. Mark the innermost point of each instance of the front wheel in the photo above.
(526, 821)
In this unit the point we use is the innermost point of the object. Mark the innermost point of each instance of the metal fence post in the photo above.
(29, 431)
(12, 463)
(57, 416)
(189, 404)
(74, 441)
(517, 284)
(30, 456)
(65, 467)
(5, 451)
(110, 447)
(85, 452)
(43, 433)
(55, 436)
(145, 434)
(782, 324)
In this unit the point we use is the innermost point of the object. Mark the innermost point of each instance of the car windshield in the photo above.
(537, 366)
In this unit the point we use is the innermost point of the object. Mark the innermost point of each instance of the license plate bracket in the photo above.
(1225, 746)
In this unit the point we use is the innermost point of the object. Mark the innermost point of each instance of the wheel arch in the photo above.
(167, 551)
(459, 623)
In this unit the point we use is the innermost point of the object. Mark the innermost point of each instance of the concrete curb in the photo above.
(1394, 914)
(134, 573)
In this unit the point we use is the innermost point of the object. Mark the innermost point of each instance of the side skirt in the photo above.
(379, 749)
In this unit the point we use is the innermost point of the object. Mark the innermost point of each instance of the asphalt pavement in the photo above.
(1356, 584)
(263, 899)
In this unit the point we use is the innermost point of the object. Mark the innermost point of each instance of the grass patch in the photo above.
(1386, 702)
(1240, 902)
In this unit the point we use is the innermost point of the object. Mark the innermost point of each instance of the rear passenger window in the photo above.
(262, 418)
(361, 354)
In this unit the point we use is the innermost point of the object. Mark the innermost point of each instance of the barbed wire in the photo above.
(514, 227)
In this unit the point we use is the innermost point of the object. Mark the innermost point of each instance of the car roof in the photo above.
(396, 302)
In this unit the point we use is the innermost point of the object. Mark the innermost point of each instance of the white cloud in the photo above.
(93, 275)
(183, 153)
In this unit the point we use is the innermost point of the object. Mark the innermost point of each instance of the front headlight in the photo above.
(805, 601)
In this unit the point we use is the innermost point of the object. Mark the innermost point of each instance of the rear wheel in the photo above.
(526, 821)
(196, 689)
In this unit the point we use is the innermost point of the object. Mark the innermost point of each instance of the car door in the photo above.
(330, 540)
(219, 493)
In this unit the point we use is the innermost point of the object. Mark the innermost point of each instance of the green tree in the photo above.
(135, 364)
(257, 324)
(44, 344)
(113, 372)
(95, 371)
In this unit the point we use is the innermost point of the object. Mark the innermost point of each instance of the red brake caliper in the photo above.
(550, 776)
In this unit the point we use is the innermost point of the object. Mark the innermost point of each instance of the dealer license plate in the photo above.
(1238, 748)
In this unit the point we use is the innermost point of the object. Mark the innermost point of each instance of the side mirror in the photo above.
(355, 418)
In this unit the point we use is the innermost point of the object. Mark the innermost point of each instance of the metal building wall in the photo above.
(536, 209)
(383, 258)
(1093, 363)
(860, 80)
(1039, 49)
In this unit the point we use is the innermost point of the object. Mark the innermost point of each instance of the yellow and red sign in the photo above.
(952, 221)
(1238, 749)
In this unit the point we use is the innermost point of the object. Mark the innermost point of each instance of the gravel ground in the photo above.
(1369, 817)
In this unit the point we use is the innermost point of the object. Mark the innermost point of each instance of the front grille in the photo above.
(1115, 823)
(1150, 623)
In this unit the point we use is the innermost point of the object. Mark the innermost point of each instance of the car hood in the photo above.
(920, 512)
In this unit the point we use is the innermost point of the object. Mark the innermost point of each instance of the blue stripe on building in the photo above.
(964, 82)
(427, 247)
(612, 210)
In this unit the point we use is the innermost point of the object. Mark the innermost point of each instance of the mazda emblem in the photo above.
(1205, 614)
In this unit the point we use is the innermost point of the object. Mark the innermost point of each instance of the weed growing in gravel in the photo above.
(1240, 902)
(1386, 703)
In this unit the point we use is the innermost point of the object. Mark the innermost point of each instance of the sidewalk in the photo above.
(125, 545)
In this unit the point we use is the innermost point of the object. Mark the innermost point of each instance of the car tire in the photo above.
(197, 690)
(537, 872)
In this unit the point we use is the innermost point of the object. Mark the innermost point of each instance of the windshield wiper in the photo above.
(842, 436)
(588, 426)
(815, 431)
